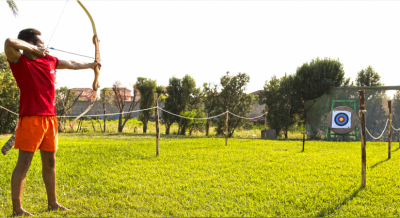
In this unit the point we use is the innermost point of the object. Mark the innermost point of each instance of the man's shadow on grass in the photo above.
(328, 211)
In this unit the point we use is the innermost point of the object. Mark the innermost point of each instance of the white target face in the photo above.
(341, 119)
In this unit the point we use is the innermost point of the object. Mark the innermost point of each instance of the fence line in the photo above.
(395, 128)
(370, 133)
(192, 118)
(248, 118)
(98, 115)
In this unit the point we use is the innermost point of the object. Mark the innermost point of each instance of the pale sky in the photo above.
(205, 39)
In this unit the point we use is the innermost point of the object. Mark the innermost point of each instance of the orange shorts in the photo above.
(37, 132)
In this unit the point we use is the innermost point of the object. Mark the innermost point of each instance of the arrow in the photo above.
(70, 53)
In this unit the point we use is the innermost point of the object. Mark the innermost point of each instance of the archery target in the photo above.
(341, 119)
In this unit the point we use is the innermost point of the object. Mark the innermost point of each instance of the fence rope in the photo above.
(206, 118)
(387, 121)
(248, 118)
(98, 115)
(395, 128)
(192, 118)
(365, 113)
(95, 115)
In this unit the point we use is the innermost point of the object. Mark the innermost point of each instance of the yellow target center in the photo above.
(341, 119)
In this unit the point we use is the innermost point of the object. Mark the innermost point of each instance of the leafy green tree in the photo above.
(368, 77)
(210, 100)
(195, 100)
(172, 103)
(194, 105)
(187, 90)
(234, 97)
(317, 77)
(314, 79)
(9, 97)
(182, 95)
(13, 7)
(278, 95)
(160, 90)
(4, 66)
(147, 89)
(193, 125)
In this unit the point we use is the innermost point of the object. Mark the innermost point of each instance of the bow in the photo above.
(95, 84)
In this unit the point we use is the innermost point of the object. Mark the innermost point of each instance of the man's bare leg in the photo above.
(49, 178)
(18, 181)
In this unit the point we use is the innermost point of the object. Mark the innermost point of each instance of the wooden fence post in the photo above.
(265, 121)
(363, 141)
(157, 124)
(390, 129)
(227, 118)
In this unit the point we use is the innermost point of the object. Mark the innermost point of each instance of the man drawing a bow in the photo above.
(37, 128)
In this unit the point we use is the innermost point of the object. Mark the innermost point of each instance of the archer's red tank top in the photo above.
(35, 79)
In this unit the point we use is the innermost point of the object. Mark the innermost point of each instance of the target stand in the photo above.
(342, 120)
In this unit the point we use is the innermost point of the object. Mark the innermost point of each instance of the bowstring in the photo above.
(47, 56)
(51, 37)
(57, 23)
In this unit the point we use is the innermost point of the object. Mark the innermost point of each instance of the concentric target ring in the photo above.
(352, 122)
(341, 119)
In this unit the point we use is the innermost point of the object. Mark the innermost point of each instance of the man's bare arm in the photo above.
(12, 47)
(73, 65)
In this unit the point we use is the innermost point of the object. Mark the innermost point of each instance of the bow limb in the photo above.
(95, 84)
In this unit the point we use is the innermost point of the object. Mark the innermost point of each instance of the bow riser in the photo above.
(95, 85)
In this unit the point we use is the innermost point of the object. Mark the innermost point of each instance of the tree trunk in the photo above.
(120, 122)
(287, 123)
(101, 128)
(179, 126)
(207, 126)
(105, 110)
(183, 130)
(94, 129)
(287, 128)
(144, 127)
(145, 120)
(167, 127)
(104, 124)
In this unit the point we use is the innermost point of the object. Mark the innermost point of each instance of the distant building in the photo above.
(87, 93)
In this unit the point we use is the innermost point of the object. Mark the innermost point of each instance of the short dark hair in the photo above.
(29, 35)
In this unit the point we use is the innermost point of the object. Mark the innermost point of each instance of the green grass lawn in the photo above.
(115, 175)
